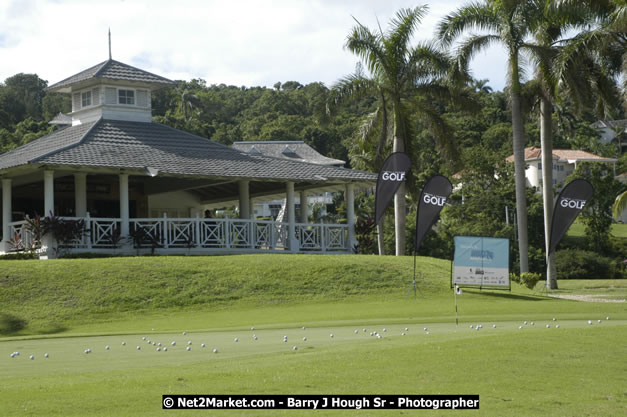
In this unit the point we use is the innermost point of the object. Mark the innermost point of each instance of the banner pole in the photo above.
(456, 315)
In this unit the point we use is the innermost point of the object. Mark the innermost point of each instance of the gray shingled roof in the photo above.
(136, 145)
(113, 70)
(296, 150)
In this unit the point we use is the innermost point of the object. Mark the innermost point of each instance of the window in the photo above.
(539, 165)
(126, 97)
(86, 99)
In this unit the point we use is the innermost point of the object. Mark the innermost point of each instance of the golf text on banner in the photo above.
(569, 204)
(393, 173)
(432, 199)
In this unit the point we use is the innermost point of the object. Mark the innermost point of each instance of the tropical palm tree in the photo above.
(406, 82)
(620, 204)
(508, 22)
(580, 78)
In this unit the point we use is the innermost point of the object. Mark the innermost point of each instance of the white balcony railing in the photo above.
(197, 235)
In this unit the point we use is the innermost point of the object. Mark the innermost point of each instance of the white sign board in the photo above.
(482, 261)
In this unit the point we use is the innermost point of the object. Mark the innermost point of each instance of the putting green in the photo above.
(508, 366)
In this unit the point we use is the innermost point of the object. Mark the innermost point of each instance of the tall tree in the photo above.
(405, 80)
(507, 22)
(582, 78)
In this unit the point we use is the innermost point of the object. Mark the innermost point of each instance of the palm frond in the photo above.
(474, 16)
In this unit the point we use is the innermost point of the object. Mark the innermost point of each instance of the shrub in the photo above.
(582, 264)
(10, 323)
(528, 279)
(19, 256)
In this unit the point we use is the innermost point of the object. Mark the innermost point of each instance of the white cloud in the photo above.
(243, 42)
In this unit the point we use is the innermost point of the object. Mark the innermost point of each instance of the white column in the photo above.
(6, 213)
(80, 194)
(244, 199)
(304, 214)
(48, 193)
(124, 213)
(349, 196)
(291, 218)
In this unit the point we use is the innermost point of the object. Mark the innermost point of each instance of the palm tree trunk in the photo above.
(381, 236)
(399, 198)
(519, 165)
(546, 143)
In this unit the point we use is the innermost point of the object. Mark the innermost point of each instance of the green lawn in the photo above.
(574, 370)
(618, 230)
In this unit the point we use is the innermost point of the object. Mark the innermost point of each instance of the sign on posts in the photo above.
(481, 261)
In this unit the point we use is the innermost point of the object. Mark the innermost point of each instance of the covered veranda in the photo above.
(120, 177)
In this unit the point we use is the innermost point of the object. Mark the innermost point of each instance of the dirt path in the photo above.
(598, 298)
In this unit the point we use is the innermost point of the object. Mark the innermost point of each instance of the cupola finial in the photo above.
(109, 44)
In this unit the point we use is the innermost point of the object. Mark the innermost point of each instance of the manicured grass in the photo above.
(578, 229)
(577, 369)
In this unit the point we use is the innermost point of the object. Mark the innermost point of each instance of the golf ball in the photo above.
(557, 326)
(159, 344)
(165, 349)
(494, 326)
(599, 321)
(13, 354)
(123, 343)
(189, 342)
(87, 350)
(158, 349)
(356, 331)
(428, 333)
(173, 343)
(304, 339)
(107, 347)
(378, 336)
(252, 328)
(589, 321)
(364, 330)
(295, 348)
(304, 328)
(189, 348)
(384, 330)
(184, 333)
(236, 340)
(46, 355)
(520, 327)
(406, 329)
(331, 335)
(139, 348)
(32, 357)
(144, 338)
(532, 323)
(255, 336)
(215, 350)
(478, 328)
(525, 323)
(554, 319)
(202, 345)
(607, 318)
(402, 334)
(471, 326)
(547, 326)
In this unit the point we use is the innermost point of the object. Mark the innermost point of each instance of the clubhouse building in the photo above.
(141, 185)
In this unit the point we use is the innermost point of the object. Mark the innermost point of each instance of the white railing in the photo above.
(22, 237)
(198, 235)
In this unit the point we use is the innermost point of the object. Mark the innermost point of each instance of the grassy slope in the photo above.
(576, 370)
(129, 294)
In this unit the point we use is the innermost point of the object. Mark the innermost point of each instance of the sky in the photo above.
(237, 42)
